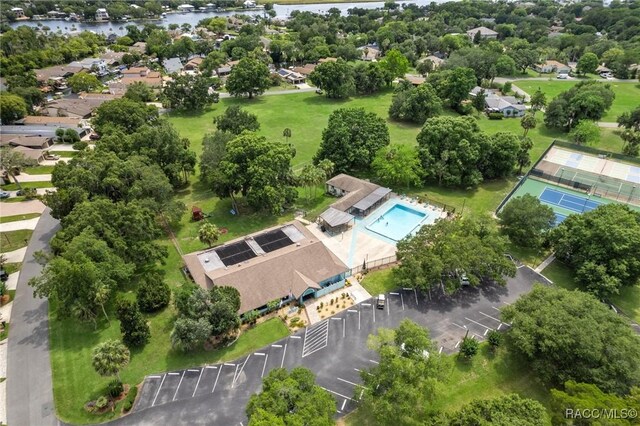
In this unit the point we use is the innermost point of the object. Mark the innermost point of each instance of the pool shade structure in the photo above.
(357, 196)
(335, 220)
(371, 201)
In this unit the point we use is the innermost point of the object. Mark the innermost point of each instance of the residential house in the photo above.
(249, 4)
(96, 65)
(291, 76)
(370, 52)
(485, 33)
(508, 106)
(436, 61)
(102, 15)
(323, 60)
(305, 70)
(39, 121)
(172, 65)
(286, 263)
(186, 8)
(68, 107)
(141, 74)
(18, 12)
(112, 59)
(34, 154)
(226, 68)
(140, 47)
(551, 66)
(56, 76)
(193, 64)
(416, 80)
(357, 197)
(26, 141)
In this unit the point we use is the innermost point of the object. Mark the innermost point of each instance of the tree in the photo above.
(235, 120)
(450, 148)
(83, 277)
(12, 108)
(287, 134)
(125, 114)
(249, 76)
(630, 122)
(370, 77)
(208, 234)
(32, 96)
(587, 64)
(524, 160)
(415, 104)
(538, 101)
(505, 410)
(190, 92)
(12, 161)
(351, 139)
(213, 61)
(441, 252)
(585, 396)
(587, 100)
(395, 63)
(601, 245)
(291, 398)
(528, 122)
(109, 358)
(586, 132)
(505, 66)
(525, 220)
(425, 66)
(139, 92)
(310, 177)
(153, 293)
(453, 85)
(568, 335)
(397, 165)
(214, 148)
(259, 170)
(479, 101)
(500, 156)
(134, 328)
(334, 78)
(84, 82)
(399, 388)
(189, 333)
(469, 347)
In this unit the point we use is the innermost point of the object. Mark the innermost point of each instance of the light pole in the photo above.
(561, 173)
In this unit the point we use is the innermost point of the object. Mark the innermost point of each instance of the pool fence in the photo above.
(373, 264)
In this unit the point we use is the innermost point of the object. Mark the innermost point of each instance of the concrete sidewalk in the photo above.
(23, 207)
(19, 224)
(26, 177)
(15, 256)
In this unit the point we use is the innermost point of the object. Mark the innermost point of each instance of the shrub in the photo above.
(131, 397)
(153, 294)
(134, 328)
(29, 193)
(331, 303)
(506, 88)
(102, 402)
(321, 305)
(494, 338)
(251, 317)
(80, 145)
(495, 116)
(115, 388)
(469, 347)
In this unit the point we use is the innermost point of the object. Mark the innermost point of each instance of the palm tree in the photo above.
(528, 122)
(208, 234)
(287, 134)
(110, 357)
(327, 167)
(11, 161)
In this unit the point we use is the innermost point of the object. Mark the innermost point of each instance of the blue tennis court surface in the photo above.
(560, 218)
(571, 202)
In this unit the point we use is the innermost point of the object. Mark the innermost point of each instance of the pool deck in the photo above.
(359, 244)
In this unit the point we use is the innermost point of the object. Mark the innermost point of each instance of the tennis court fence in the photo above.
(559, 179)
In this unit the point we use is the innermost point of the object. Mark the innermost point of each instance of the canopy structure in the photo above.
(371, 200)
(334, 219)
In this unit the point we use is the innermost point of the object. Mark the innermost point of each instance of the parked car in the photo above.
(94, 136)
(380, 302)
(4, 194)
(3, 275)
(319, 92)
(563, 76)
(49, 156)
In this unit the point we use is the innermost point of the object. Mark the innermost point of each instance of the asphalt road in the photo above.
(29, 385)
(334, 349)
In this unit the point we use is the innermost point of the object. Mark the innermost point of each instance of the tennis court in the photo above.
(572, 202)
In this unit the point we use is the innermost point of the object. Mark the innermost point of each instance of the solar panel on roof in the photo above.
(273, 240)
(235, 253)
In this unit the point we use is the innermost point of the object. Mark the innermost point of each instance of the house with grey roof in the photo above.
(172, 65)
(485, 33)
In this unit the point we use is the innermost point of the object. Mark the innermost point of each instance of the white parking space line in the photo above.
(415, 292)
(173, 374)
(336, 393)
(459, 326)
(480, 324)
(316, 338)
(265, 365)
(485, 332)
(194, 370)
(276, 346)
(343, 404)
(238, 373)
(441, 348)
(259, 354)
(154, 377)
(197, 383)
(217, 377)
(351, 383)
(457, 344)
(360, 371)
(283, 354)
(156, 397)
(375, 362)
(295, 337)
(212, 366)
(178, 388)
(499, 325)
(495, 319)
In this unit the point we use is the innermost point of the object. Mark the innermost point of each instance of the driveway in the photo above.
(334, 349)
(29, 385)
(23, 207)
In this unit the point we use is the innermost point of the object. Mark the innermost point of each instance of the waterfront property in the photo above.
(283, 264)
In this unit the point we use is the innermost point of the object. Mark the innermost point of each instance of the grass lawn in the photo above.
(13, 199)
(75, 382)
(628, 300)
(39, 170)
(378, 282)
(66, 154)
(485, 376)
(26, 185)
(18, 217)
(4, 333)
(526, 255)
(10, 268)
(13, 240)
(627, 94)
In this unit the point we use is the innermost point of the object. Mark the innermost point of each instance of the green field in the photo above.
(627, 94)
(378, 282)
(16, 218)
(39, 170)
(13, 240)
(486, 376)
(25, 185)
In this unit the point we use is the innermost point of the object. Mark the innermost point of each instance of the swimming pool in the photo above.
(397, 222)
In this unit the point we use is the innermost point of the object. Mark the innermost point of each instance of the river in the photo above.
(282, 11)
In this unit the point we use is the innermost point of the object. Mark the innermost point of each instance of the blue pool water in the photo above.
(397, 222)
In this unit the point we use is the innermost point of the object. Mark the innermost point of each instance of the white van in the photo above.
(380, 302)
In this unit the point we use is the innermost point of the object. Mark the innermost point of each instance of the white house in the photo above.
(485, 33)
(507, 105)
(249, 4)
(185, 8)
(102, 15)
(550, 66)
(18, 11)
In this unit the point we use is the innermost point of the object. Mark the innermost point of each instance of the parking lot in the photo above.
(334, 349)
